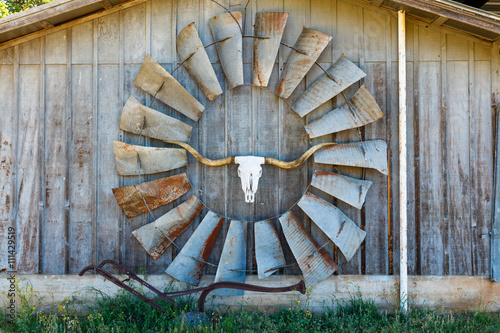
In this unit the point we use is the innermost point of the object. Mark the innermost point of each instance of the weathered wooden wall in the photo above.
(61, 97)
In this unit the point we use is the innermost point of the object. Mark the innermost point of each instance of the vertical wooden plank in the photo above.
(430, 180)
(458, 172)
(161, 30)
(8, 134)
(29, 212)
(133, 46)
(109, 215)
(348, 30)
(82, 43)
(481, 162)
(376, 204)
(82, 191)
(54, 249)
(55, 47)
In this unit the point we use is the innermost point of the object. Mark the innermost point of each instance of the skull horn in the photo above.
(203, 159)
(298, 161)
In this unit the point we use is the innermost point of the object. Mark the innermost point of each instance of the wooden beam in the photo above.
(439, 21)
(377, 3)
(106, 4)
(457, 12)
(69, 24)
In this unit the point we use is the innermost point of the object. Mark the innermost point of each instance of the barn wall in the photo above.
(61, 97)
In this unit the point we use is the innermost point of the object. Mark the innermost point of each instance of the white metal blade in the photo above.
(232, 264)
(268, 251)
(190, 47)
(349, 190)
(131, 158)
(335, 224)
(139, 119)
(324, 88)
(363, 109)
(155, 80)
(366, 154)
(230, 48)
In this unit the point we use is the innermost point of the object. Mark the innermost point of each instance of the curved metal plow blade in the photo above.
(155, 80)
(349, 190)
(232, 264)
(335, 224)
(230, 45)
(268, 252)
(189, 263)
(130, 159)
(344, 72)
(270, 27)
(192, 52)
(366, 154)
(315, 264)
(132, 199)
(307, 50)
(141, 120)
(362, 109)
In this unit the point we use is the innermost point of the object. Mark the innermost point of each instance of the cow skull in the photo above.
(249, 170)
(250, 167)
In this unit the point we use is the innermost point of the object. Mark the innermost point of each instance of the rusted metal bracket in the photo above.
(169, 297)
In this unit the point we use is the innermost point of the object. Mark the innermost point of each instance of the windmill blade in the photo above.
(335, 224)
(362, 109)
(141, 120)
(189, 263)
(270, 26)
(366, 154)
(157, 236)
(315, 264)
(152, 240)
(306, 51)
(268, 252)
(324, 88)
(349, 190)
(192, 52)
(173, 223)
(232, 263)
(227, 33)
(131, 159)
(132, 199)
(155, 80)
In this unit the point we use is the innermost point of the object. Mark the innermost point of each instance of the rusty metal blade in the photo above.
(155, 80)
(268, 251)
(315, 264)
(366, 154)
(324, 88)
(173, 223)
(230, 48)
(189, 263)
(308, 48)
(265, 50)
(349, 190)
(190, 47)
(233, 260)
(131, 158)
(335, 224)
(139, 119)
(152, 240)
(155, 193)
(363, 109)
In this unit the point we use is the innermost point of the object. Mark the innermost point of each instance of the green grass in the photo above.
(126, 313)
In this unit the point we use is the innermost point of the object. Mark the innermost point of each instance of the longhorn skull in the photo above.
(250, 167)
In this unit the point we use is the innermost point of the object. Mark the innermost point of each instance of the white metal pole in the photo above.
(403, 248)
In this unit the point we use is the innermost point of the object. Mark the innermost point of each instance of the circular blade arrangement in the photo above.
(361, 109)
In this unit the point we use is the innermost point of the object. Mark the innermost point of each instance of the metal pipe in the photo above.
(403, 247)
